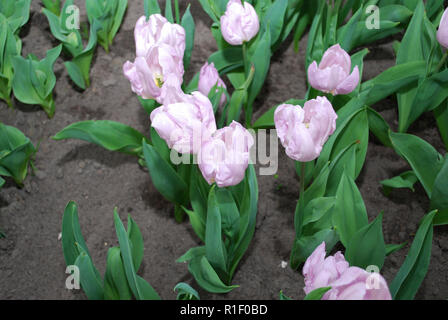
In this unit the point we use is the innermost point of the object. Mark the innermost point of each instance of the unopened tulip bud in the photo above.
(239, 23)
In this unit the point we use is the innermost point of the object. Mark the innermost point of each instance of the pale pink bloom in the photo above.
(333, 73)
(208, 78)
(347, 283)
(304, 131)
(442, 33)
(148, 73)
(158, 30)
(239, 23)
(185, 125)
(224, 158)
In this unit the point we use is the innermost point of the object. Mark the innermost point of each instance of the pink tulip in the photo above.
(208, 78)
(347, 283)
(333, 73)
(185, 125)
(442, 33)
(158, 30)
(148, 73)
(239, 23)
(304, 131)
(224, 158)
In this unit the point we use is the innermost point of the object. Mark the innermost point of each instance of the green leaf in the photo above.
(379, 127)
(151, 7)
(164, 177)
(188, 24)
(140, 288)
(405, 180)
(186, 292)
(215, 250)
(441, 115)
(227, 59)
(346, 35)
(424, 160)
(111, 135)
(283, 297)
(72, 238)
(367, 247)
(349, 212)
(115, 282)
(2, 182)
(75, 74)
(391, 248)
(90, 279)
(317, 294)
(136, 240)
(206, 276)
(411, 274)
(16, 151)
(439, 197)
(274, 20)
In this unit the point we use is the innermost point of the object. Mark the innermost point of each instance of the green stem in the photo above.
(245, 62)
(302, 178)
(301, 204)
(176, 9)
(442, 62)
(179, 214)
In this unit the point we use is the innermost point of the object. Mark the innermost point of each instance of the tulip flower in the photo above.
(442, 33)
(224, 158)
(185, 125)
(208, 78)
(347, 283)
(158, 30)
(333, 73)
(148, 73)
(239, 23)
(304, 131)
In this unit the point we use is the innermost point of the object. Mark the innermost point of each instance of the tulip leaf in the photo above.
(186, 292)
(405, 180)
(379, 127)
(227, 59)
(111, 135)
(282, 296)
(151, 7)
(274, 19)
(90, 279)
(349, 212)
(54, 6)
(439, 197)
(423, 158)
(2, 182)
(164, 177)
(189, 26)
(441, 115)
(16, 151)
(116, 286)
(140, 288)
(391, 248)
(317, 294)
(367, 247)
(215, 250)
(72, 239)
(414, 268)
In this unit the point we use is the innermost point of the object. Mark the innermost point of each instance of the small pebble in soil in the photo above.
(59, 236)
(59, 173)
(82, 164)
(283, 264)
(41, 175)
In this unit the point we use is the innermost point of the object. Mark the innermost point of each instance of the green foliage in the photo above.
(16, 151)
(53, 6)
(109, 14)
(121, 281)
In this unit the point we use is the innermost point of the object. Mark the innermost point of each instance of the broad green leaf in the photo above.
(115, 282)
(151, 7)
(189, 26)
(72, 238)
(379, 127)
(274, 19)
(441, 115)
(90, 279)
(439, 197)
(367, 247)
(424, 160)
(391, 248)
(111, 135)
(140, 288)
(412, 272)
(349, 212)
(164, 177)
(136, 240)
(405, 180)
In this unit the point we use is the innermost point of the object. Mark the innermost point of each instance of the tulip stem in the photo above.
(442, 62)
(302, 178)
(176, 10)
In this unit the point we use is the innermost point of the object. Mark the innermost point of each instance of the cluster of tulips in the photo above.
(198, 153)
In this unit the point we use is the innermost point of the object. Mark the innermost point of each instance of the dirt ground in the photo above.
(31, 261)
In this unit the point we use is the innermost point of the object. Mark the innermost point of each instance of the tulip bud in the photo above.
(304, 131)
(347, 283)
(224, 158)
(239, 23)
(442, 33)
(185, 125)
(333, 73)
(148, 73)
(158, 30)
(208, 78)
